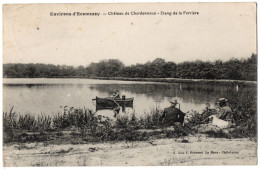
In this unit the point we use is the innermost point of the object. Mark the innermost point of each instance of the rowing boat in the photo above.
(111, 103)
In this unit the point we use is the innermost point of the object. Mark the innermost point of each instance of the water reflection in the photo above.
(46, 96)
(187, 92)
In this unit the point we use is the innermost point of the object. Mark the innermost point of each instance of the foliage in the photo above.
(197, 118)
(245, 115)
(95, 128)
(218, 134)
(235, 69)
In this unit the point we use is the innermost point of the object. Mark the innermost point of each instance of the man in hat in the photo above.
(172, 114)
(115, 94)
(224, 112)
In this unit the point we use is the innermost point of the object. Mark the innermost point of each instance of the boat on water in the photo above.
(110, 103)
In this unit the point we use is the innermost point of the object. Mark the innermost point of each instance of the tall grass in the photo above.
(149, 120)
(74, 117)
(245, 115)
(9, 123)
(153, 119)
(98, 128)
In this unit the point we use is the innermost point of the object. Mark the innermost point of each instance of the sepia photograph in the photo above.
(129, 84)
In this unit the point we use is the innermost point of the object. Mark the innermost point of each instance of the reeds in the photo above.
(150, 120)
(78, 118)
(153, 119)
(100, 128)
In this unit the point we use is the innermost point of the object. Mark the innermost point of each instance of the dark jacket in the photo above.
(172, 115)
(225, 113)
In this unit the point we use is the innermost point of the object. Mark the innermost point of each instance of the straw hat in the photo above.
(174, 103)
(222, 100)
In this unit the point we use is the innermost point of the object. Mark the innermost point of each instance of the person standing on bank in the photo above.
(172, 114)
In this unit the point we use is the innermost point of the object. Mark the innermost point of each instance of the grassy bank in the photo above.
(83, 126)
(166, 80)
(187, 81)
(76, 125)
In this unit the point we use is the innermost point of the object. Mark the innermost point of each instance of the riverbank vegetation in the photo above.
(233, 69)
(76, 125)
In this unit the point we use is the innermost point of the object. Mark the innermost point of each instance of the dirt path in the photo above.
(154, 152)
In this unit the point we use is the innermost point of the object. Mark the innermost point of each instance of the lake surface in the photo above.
(49, 96)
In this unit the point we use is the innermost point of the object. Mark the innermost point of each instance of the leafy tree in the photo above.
(238, 69)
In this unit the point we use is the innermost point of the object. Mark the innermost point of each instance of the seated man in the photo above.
(224, 112)
(115, 94)
(172, 114)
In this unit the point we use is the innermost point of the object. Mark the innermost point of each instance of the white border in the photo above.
(111, 1)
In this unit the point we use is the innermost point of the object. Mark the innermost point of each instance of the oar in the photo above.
(115, 102)
(111, 99)
(103, 98)
(180, 109)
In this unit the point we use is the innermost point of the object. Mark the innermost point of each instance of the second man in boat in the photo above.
(116, 94)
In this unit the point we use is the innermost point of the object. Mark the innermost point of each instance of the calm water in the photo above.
(49, 96)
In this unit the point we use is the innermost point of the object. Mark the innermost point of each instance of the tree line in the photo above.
(235, 69)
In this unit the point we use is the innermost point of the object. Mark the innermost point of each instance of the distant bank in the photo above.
(163, 80)
(187, 81)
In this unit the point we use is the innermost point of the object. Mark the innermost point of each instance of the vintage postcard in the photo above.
(147, 84)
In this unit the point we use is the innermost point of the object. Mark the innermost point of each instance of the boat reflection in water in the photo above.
(113, 104)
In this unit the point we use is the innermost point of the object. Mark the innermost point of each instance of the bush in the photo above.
(245, 115)
(100, 128)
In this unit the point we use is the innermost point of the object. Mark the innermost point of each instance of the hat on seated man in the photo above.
(172, 114)
(224, 112)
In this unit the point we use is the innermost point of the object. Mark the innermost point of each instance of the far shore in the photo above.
(165, 80)
(180, 80)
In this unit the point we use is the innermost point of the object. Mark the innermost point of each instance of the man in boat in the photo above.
(115, 94)
(224, 112)
(172, 114)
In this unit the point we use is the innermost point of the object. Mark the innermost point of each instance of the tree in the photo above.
(30, 71)
(237, 69)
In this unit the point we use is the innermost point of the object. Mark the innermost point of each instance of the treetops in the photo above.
(235, 69)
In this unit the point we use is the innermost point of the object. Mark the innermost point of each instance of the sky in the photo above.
(220, 31)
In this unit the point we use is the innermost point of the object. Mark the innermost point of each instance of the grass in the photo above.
(188, 81)
(83, 126)
(76, 125)
(218, 134)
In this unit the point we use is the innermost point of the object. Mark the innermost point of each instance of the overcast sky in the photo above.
(220, 31)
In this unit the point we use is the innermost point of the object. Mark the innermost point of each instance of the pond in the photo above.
(50, 96)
